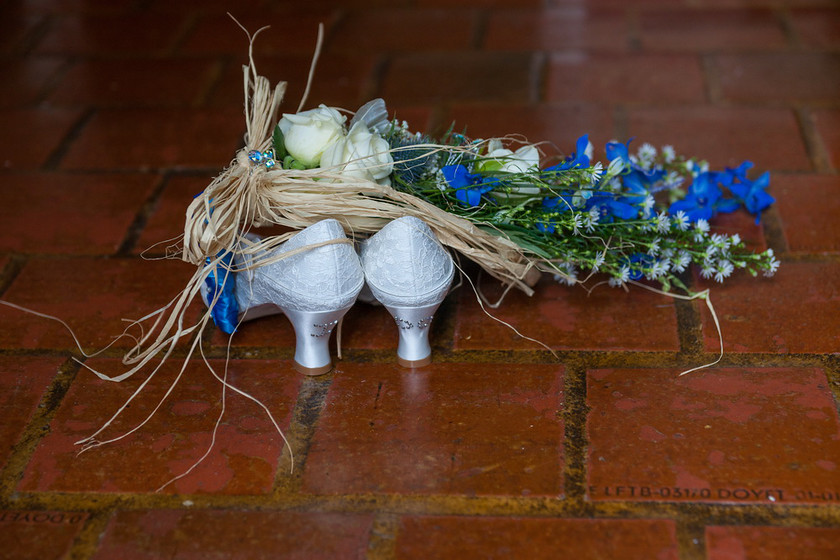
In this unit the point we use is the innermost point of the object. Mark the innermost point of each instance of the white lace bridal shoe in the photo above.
(409, 272)
(313, 288)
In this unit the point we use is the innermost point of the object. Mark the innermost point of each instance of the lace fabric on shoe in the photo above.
(405, 265)
(320, 279)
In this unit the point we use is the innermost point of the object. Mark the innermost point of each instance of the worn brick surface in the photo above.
(339, 80)
(727, 435)
(24, 381)
(420, 30)
(795, 311)
(32, 135)
(439, 430)
(243, 459)
(36, 535)
(817, 27)
(808, 206)
(768, 543)
(16, 30)
(725, 136)
(624, 78)
(491, 538)
(562, 27)
(92, 296)
(51, 213)
(705, 30)
(567, 318)
(430, 78)
(111, 35)
(235, 534)
(25, 82)
(794, 76)
(116, 139)
(140, 82)
(218, 34)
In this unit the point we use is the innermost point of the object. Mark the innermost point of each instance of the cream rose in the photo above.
(361, 154)
(308, 133)
(523, 160)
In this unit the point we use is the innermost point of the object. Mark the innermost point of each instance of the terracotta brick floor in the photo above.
(114, 113)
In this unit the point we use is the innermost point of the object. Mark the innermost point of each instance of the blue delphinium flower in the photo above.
(577, 159)
(750, 193)
(704, 199)
(610, 206)
(637, 264)
(638, 179)
(469, 187)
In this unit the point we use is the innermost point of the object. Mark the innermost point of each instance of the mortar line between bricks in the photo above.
(831, 368)
(87, 541)
(575, 444)
(311, 401)
(54, 159)
(11, 271)
(774, 233)
(37, 427)
(382, 542)
(134, 229)
(27, 44)
(789, 514)
(814, 145)
(691, 539)
(479, 35)
(137, 225)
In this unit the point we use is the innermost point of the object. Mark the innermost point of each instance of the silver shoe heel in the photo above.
(312, 338)
(413, 324)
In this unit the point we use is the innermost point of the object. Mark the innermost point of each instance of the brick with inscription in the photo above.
(38, 535)
(764, 435)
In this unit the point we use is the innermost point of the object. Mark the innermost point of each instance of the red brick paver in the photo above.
(749, 543)
(564, 317)
(86, 214)
(35, 535)
(768, 436)
(439, 430)
(24, 380)
(92, 296)
(231, 534)
(435, 537)
(243, 459)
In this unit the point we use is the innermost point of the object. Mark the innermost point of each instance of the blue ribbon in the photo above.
(221, 283)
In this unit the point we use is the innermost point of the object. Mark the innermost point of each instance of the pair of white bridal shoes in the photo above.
(405, 266)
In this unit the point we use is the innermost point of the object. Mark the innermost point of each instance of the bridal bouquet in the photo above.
(642, 215)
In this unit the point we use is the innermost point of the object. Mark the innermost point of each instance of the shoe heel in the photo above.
(413, 325)
(312, 339)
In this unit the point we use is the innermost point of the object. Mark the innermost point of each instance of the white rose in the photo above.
(360, 154)
(523, 160)
(308, 133)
